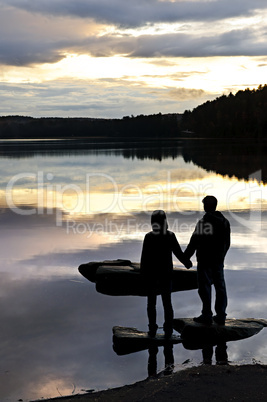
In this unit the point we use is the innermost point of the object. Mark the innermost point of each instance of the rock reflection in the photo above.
(131, 340)
(219, 350)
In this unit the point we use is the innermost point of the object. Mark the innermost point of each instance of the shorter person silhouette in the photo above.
(156, 270)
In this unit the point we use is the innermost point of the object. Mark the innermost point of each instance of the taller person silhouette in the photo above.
(211, 241)
(156, 270)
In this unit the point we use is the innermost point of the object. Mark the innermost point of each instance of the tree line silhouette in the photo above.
(156, 126)
(242, 115)
(233, 116)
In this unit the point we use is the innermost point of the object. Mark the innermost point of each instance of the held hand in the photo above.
(188, 264)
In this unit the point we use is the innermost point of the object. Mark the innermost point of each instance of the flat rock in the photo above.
(234, 329)
(130, 340)
(89, 269)
(122, 278)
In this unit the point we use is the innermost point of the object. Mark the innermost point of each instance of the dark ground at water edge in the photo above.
(204, 383)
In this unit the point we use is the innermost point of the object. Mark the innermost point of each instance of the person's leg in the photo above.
(204, 290)
(152, 314)
(166, 288)
(221, 294)
(168, 312)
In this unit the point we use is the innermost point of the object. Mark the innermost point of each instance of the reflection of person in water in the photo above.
(156, 269)
(221, 355)
(152, 360)
(211, 241)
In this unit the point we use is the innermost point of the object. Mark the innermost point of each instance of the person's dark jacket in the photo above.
(156, 259)
(210, 239)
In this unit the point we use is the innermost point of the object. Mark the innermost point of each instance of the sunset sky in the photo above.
(112, 58)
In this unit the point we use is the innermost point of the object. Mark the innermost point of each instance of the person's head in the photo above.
(209, 203)
(159, 221)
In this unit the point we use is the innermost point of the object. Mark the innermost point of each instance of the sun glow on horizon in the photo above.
(163, 57)
(213, 76)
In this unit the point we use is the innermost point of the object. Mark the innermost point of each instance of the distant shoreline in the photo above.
(152, 126)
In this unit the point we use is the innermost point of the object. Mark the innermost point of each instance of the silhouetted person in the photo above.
(156, 269)
(211, 241)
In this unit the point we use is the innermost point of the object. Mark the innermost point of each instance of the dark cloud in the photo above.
(241, 42)
(142, 12)
(29, 37)
(33, 33)
(26, 52)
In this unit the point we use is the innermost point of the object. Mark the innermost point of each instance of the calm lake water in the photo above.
(67, 204)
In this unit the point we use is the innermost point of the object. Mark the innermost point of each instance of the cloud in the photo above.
(141, 12)
(99, 98)
(235, 42)
(34, 36)
(28, 39)
(245, 42)
(185, 93)
(25, 53)
(45, 31)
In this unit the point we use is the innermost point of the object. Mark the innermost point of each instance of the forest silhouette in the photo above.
(199, 136)
(242, 115)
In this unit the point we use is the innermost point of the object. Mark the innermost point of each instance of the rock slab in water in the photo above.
(129, 340)
(122, 277)
(234, 329)
(193, 335)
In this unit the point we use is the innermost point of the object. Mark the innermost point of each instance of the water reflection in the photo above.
(138, 178)
(56, 338)
(207, 338)
(170, 353)
(208, 351)
(221, 355)
(152, 360)
(238, 158)
(212, 155)
(67, 147)
(52, 318)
